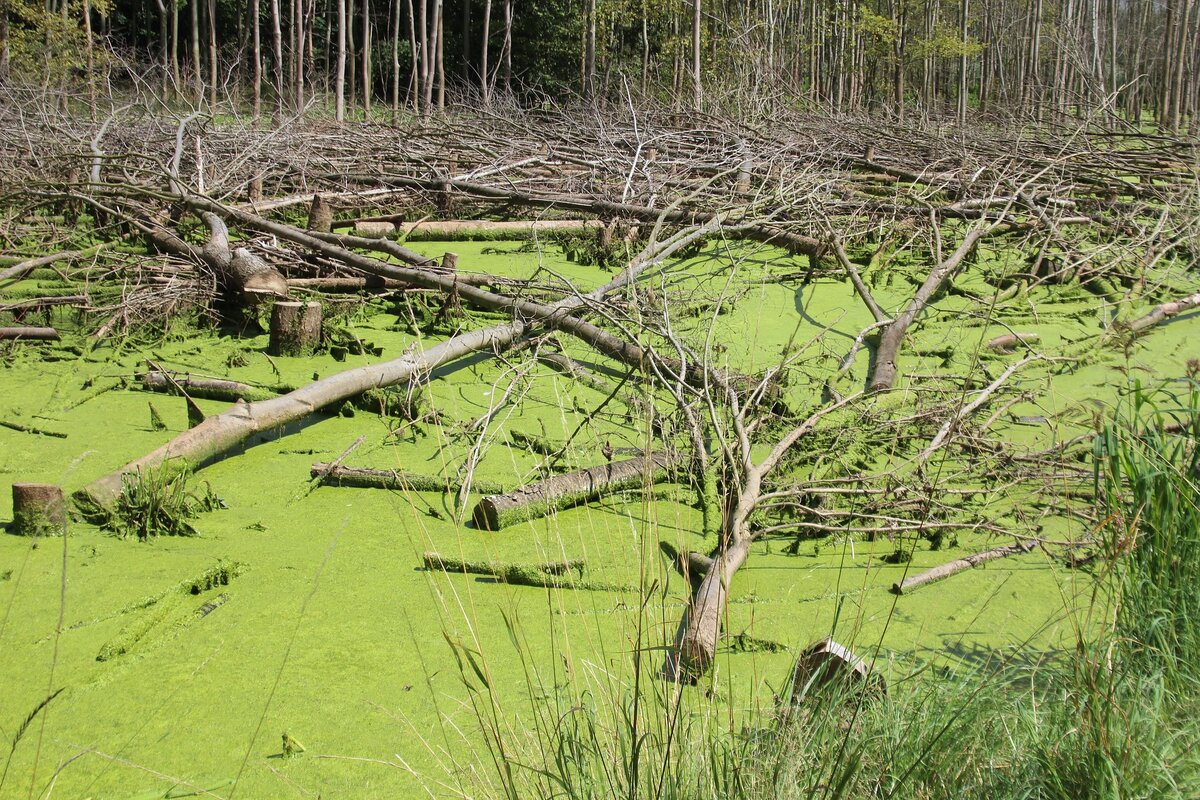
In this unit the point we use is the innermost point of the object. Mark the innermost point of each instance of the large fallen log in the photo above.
(492, 230)
(39, 334)
(244, 276)
(205, 388)
(363, 478)
(562, 491)
(958, 565)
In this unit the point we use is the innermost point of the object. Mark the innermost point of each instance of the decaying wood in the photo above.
(497, 230)
(562, 491)
(37, 334)
(360, 477)
(826, 662)
(1010, 341)
(958, 565)
(437, 561)
(1164, 311)
(39, 509)
(295, 329)
(205, 388)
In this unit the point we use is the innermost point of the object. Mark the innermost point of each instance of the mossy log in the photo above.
(362, 478)
(562, 491)
(958, 565)
(29, 334)
(39, 509)
(205, 388)
(1164, 311)
(553, 575)
(437, 561)
(295, 329)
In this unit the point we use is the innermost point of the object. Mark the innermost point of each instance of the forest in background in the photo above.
(1130, 62)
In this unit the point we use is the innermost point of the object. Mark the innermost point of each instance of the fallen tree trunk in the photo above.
(359, 477)
(493, 230)
(1164, 311)
(436, 561)
(205, 388)
(243, 275)
(544, 576)
(562, 491)
(958, 565)
(17, 271)
(40, 334)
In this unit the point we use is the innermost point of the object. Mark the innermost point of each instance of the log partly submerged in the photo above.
(359, 477)
(958, 565)
(562, 491)
(204, 388)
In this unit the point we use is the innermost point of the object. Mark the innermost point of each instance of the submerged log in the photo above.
(362, 478)
(39, 509)
(436, 561)
(1010, 341)
(295, 329)
(562, 491)
(958, 565)
(32, 334)
(205, 388)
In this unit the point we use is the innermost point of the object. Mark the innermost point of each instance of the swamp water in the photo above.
(324, 626)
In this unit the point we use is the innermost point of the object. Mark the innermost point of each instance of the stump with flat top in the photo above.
(295, 329)
(39, 509)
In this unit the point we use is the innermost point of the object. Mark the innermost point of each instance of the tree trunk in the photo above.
(340, 108)
(212, 55)
(295, 329)
(563, 491)
(359, 478)
(257, 34)
(277, 37)
(29, 334)
(367, 83)
(484, 70)
(197, 69)
(39, 509)
(697, 90)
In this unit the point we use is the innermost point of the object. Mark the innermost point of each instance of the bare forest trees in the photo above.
(1136, 61)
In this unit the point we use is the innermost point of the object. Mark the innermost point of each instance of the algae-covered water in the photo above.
(327, 628)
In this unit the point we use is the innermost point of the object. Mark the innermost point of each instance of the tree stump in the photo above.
(450, 262)
(39, 509)
(320, 215)
(295, 329)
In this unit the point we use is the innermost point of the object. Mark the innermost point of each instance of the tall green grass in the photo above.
(1116, 716)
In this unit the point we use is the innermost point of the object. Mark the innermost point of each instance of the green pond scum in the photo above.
(138, 665)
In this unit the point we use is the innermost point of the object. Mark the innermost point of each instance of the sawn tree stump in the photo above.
(39, 509)
(295, 329)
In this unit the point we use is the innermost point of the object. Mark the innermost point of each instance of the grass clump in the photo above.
(156, 503)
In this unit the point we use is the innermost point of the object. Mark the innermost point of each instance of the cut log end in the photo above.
(829, 664)
(295, 329)
(39, 509)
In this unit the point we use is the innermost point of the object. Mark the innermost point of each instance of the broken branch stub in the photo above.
(562, 491)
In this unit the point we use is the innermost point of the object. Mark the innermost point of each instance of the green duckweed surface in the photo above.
(330, 631)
